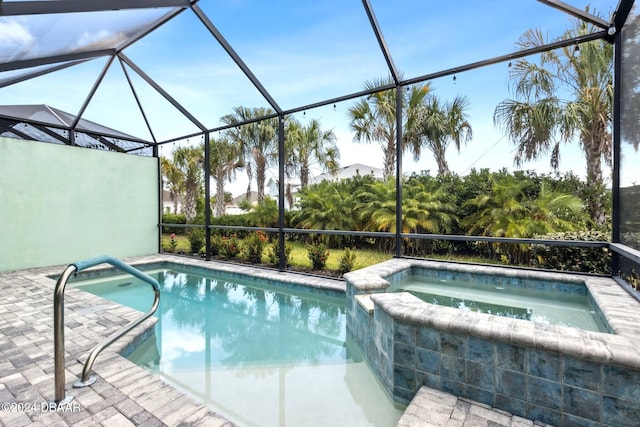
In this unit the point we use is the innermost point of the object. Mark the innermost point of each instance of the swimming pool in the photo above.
(259, 352)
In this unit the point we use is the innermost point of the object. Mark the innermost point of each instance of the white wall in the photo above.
(60, 204)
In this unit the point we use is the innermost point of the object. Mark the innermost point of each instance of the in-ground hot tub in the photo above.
(553, 373)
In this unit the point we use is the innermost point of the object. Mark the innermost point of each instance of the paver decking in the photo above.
(436, 408)
(125, 394)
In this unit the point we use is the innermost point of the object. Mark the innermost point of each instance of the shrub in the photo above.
(230, 247)
(573, 258)
(254, 245)
(196, 239)
(173, 219)
(318, 254)
(274, 252)
(347, 260)
(216, 244)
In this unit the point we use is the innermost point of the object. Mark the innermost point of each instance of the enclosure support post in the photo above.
(207, 197)
(615, 175)
(398, 170)
(282, 260)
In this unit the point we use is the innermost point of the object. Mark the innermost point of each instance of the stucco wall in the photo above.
(60, 204)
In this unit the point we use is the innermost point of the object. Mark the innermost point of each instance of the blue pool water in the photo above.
(261, 355)
(571, 307)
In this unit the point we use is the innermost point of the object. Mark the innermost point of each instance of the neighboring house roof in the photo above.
(253, 198)
(351, 171)
(166, 197)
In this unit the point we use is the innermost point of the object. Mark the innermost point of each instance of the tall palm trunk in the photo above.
(260, 179)
(390, 158)
(220, 205)
(190, 200)
(593, 156)
(443, 166)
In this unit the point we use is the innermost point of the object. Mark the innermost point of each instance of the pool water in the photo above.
(260, 355)
(573, 309)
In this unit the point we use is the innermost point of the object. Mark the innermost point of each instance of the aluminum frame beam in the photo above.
(15, 8)
(39, 73)
(393, 70)
(92, 92)
(161, 91)
(54, 59)
(135, 95)
(578, 13)
(236, 58)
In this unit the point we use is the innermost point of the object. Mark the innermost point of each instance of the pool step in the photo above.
(430, 407)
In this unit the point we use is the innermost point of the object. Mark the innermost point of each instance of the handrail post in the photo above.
(58, 323)
(58, 336)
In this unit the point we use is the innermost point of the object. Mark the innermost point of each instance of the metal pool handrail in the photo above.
(58, 322)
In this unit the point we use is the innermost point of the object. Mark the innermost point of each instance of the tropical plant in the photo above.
(264, 213)
(373, 119)
(309, 145)
(257, 139)
(189, 161)
(507, 211)
(440, 124)
(538, 120)
(173, 179)
(325, 206)
(422, 210)
(225, 157)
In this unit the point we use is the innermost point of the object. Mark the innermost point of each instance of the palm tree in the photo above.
(174, 180)
(374, 119)
(258, 142)
(439, 125)
(422, 210)
(539, 121)
(507, 211)
(326, 206)
(307, 145)
(225, 157)
(189, 161)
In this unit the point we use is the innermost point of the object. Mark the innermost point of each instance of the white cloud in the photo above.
(16, 40)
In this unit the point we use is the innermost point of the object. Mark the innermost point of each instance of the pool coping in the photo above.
(621, 311)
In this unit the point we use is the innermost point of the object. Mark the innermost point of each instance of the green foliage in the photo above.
(347, 261)
(216, 244)
(173, 219)
(173, 243)
(264, 214)
(573, 258)
(230, 247)
(245, 205)
(318, 254)
(273, 253)
(254, 246)
(196, 239)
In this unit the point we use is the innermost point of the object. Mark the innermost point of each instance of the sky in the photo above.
(302, 52)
